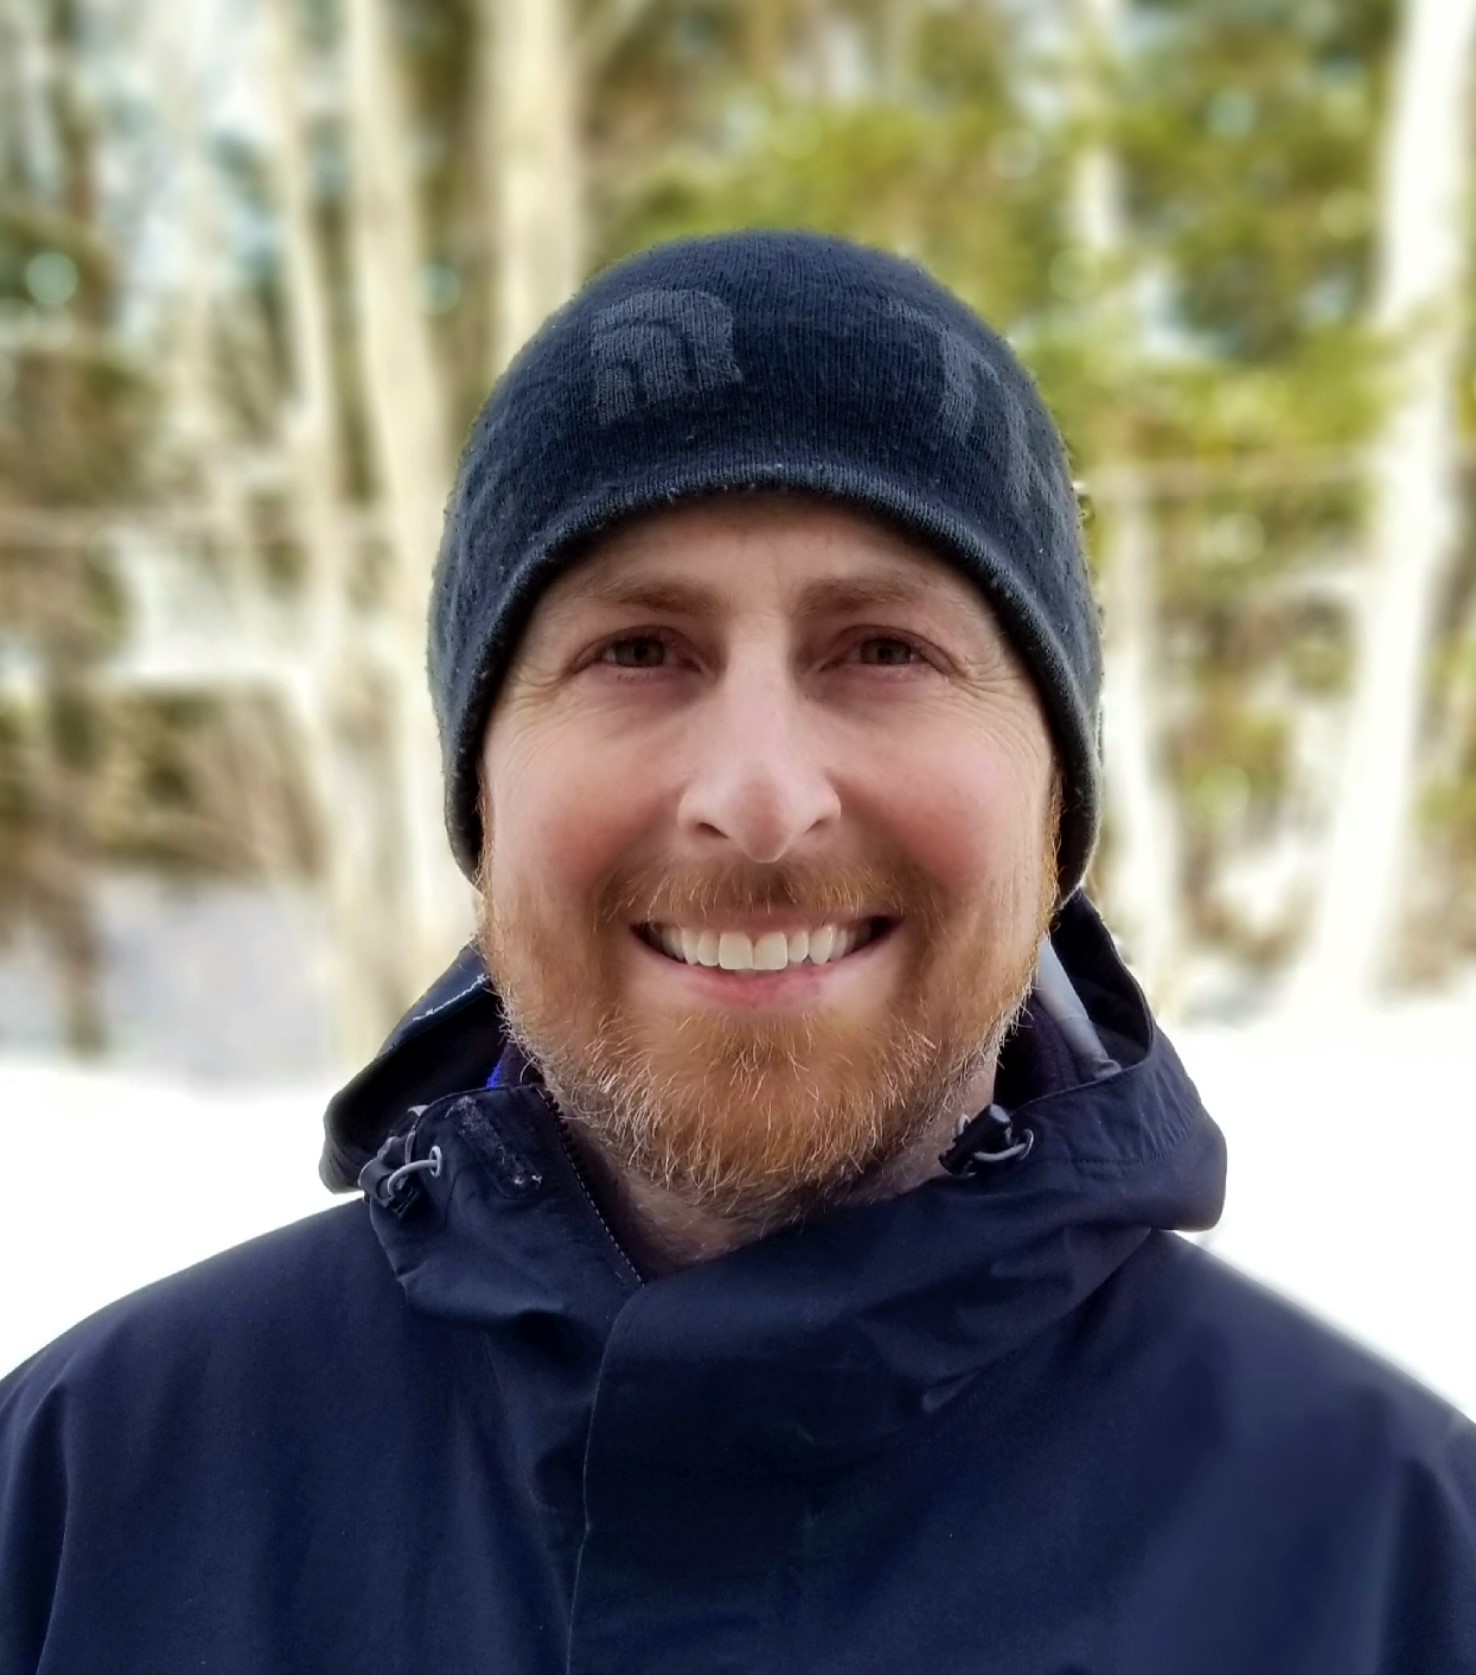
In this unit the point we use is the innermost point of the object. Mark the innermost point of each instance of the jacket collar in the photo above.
(812, 1346)
(447, 1042)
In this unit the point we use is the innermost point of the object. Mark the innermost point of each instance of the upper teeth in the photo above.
(737, 951)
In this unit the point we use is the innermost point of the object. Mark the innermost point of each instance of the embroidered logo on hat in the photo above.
(660, 346)
(960, 402)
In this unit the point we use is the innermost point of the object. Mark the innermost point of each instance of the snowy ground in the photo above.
(1353, 1175)
(1352, 1158)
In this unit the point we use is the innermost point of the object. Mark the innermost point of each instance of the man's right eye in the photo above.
(634, 651)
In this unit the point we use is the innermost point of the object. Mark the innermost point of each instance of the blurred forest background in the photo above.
(261, 260)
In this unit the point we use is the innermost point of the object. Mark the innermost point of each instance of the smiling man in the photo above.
(770, 810)
(767, 1255)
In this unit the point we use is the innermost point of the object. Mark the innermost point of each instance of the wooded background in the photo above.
(261, 260)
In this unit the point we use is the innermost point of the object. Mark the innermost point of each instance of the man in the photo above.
(766, 1255)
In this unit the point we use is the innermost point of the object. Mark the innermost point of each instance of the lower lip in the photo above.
(795, 985)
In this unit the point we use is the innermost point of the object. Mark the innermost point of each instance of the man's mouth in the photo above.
(759, 952)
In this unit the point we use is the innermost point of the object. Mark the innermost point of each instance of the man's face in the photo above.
(736, 727)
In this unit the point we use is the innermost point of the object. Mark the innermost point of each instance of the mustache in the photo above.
(824, 892)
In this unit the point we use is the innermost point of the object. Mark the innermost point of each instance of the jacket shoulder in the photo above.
(194, 1374)
(1270, 1349)
(1250, 1382)
(289, 1285)
(1325, 1446)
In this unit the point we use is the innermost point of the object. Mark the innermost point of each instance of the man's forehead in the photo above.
(706, 559)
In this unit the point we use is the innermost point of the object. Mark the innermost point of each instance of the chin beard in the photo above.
(762, 1148)
(770, 1125)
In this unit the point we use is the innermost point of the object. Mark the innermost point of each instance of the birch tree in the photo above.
(202, 433)
(59, 138)
(28, 119)
(413, 450)
(340, 672)
(1413, 525)
(529, 76)
(1142, 881)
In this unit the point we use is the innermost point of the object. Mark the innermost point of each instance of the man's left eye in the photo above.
(893, 645)
(649, 649)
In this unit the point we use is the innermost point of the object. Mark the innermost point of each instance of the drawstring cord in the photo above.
(988, 1138)
(431, 1162)
(387, 1176)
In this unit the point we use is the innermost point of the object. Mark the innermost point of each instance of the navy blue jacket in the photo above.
(1008, 1421)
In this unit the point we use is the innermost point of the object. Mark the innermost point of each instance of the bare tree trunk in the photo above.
(13, 158)
(1142, 884)
(408, 421)
(202, 434)
(1144, 878)
(76, 122)
(817, 24)
(30, 71)
(529, 74)
(65, 876)
(899, 23)
(368, 917)
(1415, 505)
(67, 879)
(766, 41)
(1458, 724)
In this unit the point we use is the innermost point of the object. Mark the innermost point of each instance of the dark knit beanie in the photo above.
(779, 360)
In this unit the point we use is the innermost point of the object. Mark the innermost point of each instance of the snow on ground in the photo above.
(1352, 1182)
(113, 1180)
(1352, 1163)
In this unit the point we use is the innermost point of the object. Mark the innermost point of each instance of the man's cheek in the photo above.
(958, 841)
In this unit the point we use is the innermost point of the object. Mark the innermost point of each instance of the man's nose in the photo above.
(758, 780)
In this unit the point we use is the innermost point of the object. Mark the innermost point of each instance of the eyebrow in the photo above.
(831, 596)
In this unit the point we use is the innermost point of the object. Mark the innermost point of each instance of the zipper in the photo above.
(577, 1169)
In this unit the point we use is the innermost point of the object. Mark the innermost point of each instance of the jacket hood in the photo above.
(818, 1344)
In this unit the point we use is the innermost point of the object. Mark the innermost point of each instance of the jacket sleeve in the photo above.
(1431, 1623)
(33, 1498)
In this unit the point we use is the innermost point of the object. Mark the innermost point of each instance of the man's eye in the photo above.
(635, 651)
(897, 651)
